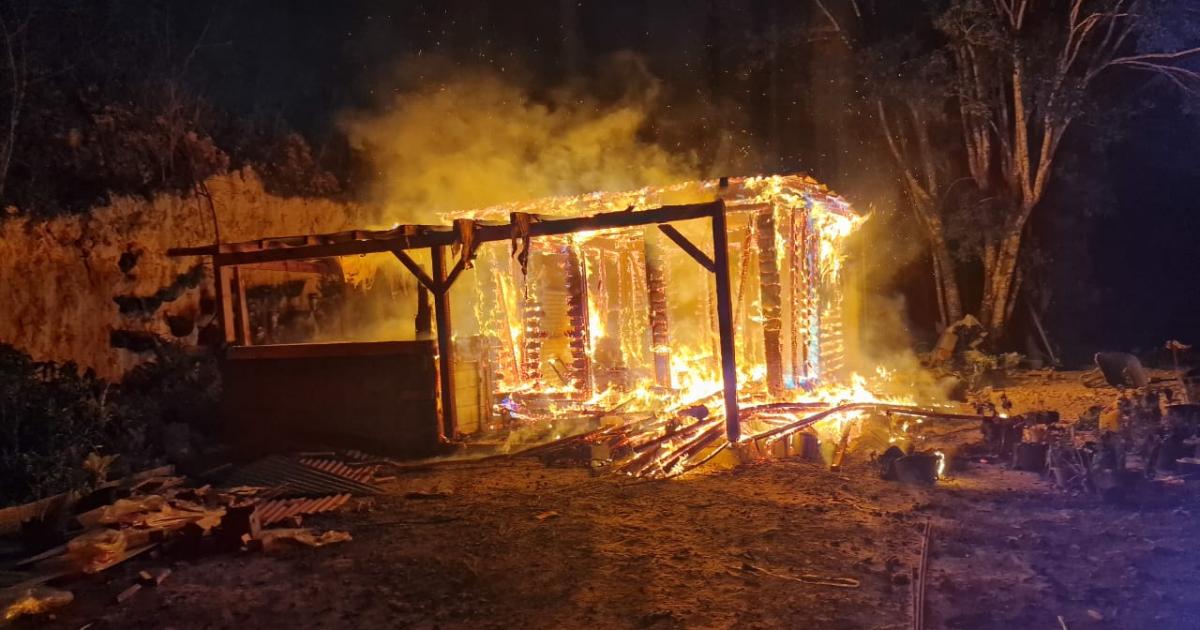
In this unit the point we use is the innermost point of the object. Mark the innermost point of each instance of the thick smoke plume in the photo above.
(478, 139)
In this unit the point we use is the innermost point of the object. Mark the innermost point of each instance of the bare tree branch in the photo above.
(837, 27)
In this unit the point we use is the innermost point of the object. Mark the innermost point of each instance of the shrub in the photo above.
(53, 418)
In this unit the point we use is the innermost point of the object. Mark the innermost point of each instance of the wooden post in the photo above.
(241, 313)
(579, 337)
(221, 278)
(796, 278)
(441, 308)
(656, 288)
(770, 289)
(733, 427)
(424, 319)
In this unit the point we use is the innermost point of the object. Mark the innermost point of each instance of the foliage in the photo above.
(105, 98)
(977, 102)
(62, 430)
(283, 159)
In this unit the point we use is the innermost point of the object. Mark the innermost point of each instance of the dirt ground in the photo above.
(780, 544)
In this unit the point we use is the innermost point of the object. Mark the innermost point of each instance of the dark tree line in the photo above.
(107, 97)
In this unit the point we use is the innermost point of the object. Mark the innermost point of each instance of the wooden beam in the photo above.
(416, 269)
(733, 427)
(484, 234)
(687, 246)
(441, 309)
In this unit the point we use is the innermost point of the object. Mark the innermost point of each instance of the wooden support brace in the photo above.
(454, 273)
(687, 246)
(416, 269)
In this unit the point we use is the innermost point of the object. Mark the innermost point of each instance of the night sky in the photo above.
(1124, 277)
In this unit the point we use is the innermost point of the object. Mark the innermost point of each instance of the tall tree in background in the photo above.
(976, 103)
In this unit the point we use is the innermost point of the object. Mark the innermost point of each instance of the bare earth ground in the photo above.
(710, 550)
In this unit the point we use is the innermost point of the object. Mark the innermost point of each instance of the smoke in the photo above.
(885, 247)
(478, 138)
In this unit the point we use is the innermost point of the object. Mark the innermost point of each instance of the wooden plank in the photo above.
(441, 309)
(224, 279)
(733, 427)
(687, 246)
(241, 313)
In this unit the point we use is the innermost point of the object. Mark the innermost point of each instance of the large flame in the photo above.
(620, 324)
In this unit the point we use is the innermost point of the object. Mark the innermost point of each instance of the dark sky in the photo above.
(1127, 279)
(1147, 251)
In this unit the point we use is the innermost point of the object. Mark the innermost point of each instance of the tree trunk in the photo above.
(947, 281)
(944, 277)
(998, 284)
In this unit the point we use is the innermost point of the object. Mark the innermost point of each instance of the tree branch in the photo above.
(837, 27)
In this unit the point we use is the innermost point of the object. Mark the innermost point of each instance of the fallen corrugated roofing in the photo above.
(359, 473)
(294, 479)
(276, 510)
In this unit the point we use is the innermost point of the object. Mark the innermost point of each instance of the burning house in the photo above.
(721, 303)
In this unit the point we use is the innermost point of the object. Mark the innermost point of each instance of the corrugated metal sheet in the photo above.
(276, 510)
(359, 473)
(293, 479)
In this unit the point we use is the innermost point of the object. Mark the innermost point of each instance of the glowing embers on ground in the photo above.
(668, 444)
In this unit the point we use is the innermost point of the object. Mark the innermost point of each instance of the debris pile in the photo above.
(257, 507)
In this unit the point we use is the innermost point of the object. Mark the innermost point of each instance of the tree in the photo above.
(985, 95)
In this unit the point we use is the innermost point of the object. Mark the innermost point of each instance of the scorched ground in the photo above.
(512, 543)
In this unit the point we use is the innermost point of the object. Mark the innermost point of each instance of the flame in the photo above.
(620, 356)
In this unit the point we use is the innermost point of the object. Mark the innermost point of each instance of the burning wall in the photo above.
(626, 319)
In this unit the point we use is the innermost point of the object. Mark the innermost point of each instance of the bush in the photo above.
(52, 418)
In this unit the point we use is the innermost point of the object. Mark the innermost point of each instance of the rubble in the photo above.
(163, 511)
(18, 601)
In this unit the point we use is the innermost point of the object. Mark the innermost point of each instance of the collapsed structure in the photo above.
(588, 306)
